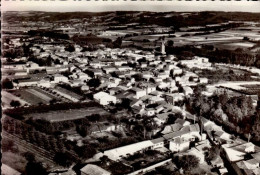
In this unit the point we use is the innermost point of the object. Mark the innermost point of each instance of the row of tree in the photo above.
(215, 55)
(236, 113)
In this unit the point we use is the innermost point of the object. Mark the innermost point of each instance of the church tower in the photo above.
(163, 47)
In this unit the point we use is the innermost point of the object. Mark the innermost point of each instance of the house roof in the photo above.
(136, 89)
(181, 121)
(101, 94)
(91, 169)
(163, 116)
(124, 94)
(256, 156)
(172, 128)
(116, 153)
(158, 140)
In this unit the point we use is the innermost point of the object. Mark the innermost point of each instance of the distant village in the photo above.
(101, 98)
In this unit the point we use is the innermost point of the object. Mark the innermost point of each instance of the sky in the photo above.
(121, 5)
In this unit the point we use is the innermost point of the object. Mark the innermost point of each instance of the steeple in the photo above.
(163, 47)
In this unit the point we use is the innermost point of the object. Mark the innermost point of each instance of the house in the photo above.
(138, 109)
(82, 76)
(104, 98)
(187, 90)
(91, 169)
(95, 64)
(177, 71)
(171, 128)
(109, 69)
(161, 118)
(75, 83)
(223, 171)
(120, 62)
(155, 99)
(187, 134)
(138, 92)
(120, 152)
(204, 80)
(26, 82)
(237, 151)
(124, 68)
(45, 83)
(149, 111)
(173, 98)
(84, 88)
(179, 144)
(163, 75)
(158, 143)
(247, 167)
(60, 78)
(96, 128)
(114, 90)
(159, 108)
(182, 122)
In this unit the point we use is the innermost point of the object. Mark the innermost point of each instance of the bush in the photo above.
(186, 162)
(64, 159)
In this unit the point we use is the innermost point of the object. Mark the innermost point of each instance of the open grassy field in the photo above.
(72, 114)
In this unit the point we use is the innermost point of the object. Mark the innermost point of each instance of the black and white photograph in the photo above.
(130, 87)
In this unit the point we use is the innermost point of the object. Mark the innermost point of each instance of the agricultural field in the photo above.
(8, 97)
(229, 39)
(65, 115)
(34, 96)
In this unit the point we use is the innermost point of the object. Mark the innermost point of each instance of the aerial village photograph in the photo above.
(125, 90)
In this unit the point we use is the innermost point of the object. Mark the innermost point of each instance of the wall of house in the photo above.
(179, 147)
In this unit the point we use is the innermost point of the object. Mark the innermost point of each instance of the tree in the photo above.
(64, 158)
(33, 168)
(186, 162)
(29, 157)
(94, 82)
(212, 153)
(7, 84)
(7, 145)
(126, 103)
(48, 61)
(170, 43)
(94, 117)
(117, 43)
(86, 151)
(70, 48)
(15, 103)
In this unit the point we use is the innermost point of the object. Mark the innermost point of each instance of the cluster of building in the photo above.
(155, 86)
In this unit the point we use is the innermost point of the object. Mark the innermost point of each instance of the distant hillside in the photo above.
(176, 19)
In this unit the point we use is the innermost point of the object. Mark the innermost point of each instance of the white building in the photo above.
(138, 92)
(104, 98)
(187, 90)
(118, 153)
(60, 78)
